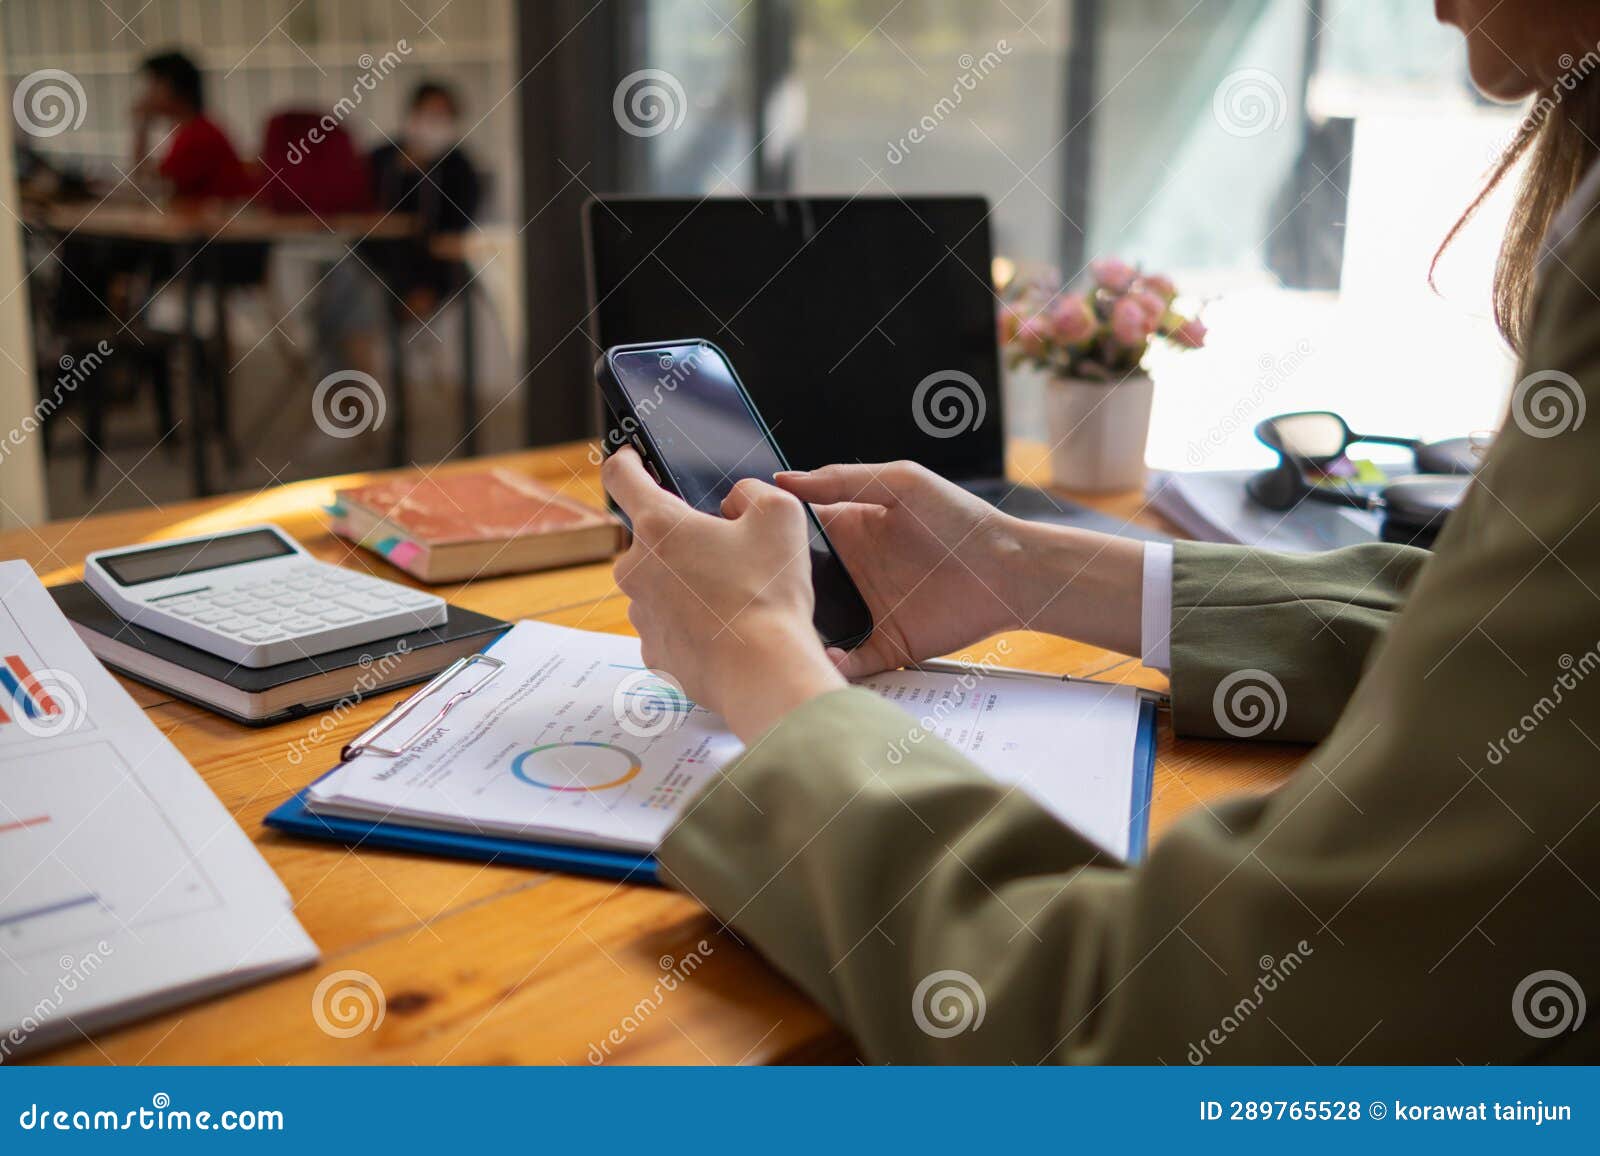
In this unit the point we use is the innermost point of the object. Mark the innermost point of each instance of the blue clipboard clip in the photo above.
(366, 742)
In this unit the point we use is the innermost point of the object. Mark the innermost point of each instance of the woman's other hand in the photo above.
(942, 569)
(724, 604)
(931, 559)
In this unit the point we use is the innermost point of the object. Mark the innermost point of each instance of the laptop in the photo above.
(864, 327)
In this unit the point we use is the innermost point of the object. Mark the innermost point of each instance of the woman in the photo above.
(1433, 869)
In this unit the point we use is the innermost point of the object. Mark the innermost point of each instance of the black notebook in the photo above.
(272, 694)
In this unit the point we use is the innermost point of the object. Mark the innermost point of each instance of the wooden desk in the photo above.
(484, 964)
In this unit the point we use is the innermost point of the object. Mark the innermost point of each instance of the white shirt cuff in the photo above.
(1155, 616)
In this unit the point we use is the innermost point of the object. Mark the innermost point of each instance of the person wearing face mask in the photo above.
(1431, 871)
(427, 174)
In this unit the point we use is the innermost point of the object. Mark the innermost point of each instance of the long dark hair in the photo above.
(1559, 138)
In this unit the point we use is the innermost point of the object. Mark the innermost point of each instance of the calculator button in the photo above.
(208, 617)
(366, 604)
(338, 615)
(300, 625)
(262, 634)
(233, 625)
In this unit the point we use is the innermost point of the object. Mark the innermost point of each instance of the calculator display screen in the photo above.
(192, 557)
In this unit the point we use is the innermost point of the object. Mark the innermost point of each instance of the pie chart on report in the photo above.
(577, 766)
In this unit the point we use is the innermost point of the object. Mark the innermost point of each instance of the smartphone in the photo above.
(683, 408)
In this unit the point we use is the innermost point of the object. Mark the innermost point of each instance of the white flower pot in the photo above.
(1098, 432)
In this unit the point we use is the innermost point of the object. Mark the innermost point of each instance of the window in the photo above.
(1293, 165)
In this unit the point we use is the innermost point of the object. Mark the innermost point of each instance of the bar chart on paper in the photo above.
(24, 694)
(36, 699)
(113, 852)
(63, 808)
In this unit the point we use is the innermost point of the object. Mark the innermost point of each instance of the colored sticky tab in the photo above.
(402, 554)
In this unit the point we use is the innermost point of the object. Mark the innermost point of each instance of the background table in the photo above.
(487, 964)
(201, 238)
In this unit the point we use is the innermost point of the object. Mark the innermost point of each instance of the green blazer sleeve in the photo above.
(1270, 645)
(1425, 888)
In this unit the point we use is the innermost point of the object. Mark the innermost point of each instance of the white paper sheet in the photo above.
(124, 883)
(573, 741)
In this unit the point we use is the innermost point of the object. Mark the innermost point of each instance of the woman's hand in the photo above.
(722, 604)
(931, 559)
(941, 569)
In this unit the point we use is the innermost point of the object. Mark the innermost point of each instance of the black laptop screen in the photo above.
(864, 328)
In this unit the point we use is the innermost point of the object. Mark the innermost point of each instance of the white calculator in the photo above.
(254, 596)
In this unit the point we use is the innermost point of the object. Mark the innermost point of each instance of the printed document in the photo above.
(574, 741)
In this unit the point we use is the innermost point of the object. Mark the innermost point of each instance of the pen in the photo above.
(952, 666)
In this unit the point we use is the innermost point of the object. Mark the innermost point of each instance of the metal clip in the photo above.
(364, 742)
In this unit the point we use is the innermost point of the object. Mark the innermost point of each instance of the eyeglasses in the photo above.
(1312, 445)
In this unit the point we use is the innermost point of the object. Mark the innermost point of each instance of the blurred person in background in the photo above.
(198, 161)
(427, 176)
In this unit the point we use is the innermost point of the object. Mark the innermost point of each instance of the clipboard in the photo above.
(466, 676)
(470, 674)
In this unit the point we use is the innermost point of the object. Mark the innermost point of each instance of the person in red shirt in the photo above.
(199, 161)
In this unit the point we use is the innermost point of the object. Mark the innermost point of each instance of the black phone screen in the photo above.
(707, 437)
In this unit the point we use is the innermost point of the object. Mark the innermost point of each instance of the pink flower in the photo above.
(1131, 326)
(1154, 306)
(1191, 333)
(1033, 336)
(1112, 274)
(1160, 285)
(1073, 321)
